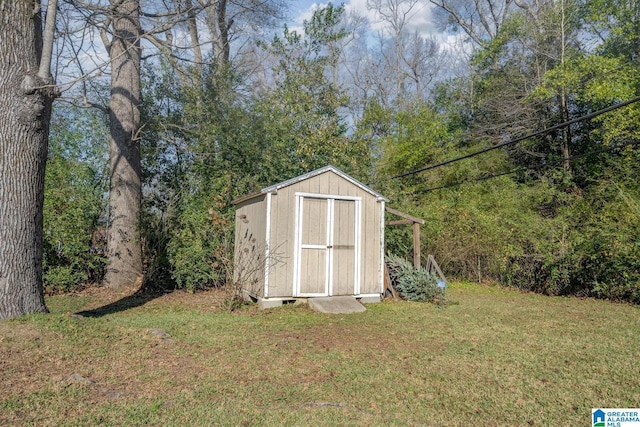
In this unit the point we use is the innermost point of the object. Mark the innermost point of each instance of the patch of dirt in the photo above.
(138, 365)
(102, 295)
(25, 361)
(61, 358)
(207, 300)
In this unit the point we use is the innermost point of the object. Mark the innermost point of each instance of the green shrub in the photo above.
(414, 284)
(201, 247)
(548, 275)
(76, 183)
(73, 202)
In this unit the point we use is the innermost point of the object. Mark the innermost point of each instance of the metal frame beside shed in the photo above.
(315, 235)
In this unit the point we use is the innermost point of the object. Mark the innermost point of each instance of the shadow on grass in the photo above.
(137, 299)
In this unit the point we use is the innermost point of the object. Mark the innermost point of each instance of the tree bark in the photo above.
(195, 41)
(217, 22)
(124, 245)
(566, 132)
(25, 111)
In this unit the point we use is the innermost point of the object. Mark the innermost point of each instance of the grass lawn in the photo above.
(493, 357)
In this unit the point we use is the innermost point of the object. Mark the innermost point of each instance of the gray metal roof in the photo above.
(275, 187)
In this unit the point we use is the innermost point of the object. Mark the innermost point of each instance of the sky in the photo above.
(419, 18)
(420, 15)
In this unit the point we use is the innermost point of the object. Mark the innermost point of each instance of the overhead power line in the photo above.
(522, 138)
(540, 165)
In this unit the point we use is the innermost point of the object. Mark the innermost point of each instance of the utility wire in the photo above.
(587, 80)
(534, 167)
(522, 138)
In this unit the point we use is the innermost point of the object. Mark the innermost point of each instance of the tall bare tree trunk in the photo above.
(219, 25)
(566, 131)
(564, 102)
(25, 111)
(124, 245)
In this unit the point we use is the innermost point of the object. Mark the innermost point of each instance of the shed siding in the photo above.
(370, 273)
(250, 239)
(282, 244)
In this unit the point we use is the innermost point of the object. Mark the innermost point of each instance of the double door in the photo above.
(327, 245)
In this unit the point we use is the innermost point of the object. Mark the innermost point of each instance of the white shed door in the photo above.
(328, 246)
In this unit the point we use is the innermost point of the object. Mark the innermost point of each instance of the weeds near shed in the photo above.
(245, 274)
(232, 288)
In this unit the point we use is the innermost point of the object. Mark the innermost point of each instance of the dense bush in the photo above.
(539, 236)
(74, 209)
(73, 204)
(201, 246)
(414, 284)
(547, 241)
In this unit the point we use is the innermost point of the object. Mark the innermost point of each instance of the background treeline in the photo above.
(557, 213)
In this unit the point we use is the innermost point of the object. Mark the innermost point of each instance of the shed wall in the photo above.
(250, 240)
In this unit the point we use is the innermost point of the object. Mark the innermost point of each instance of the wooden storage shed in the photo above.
(319, 234)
